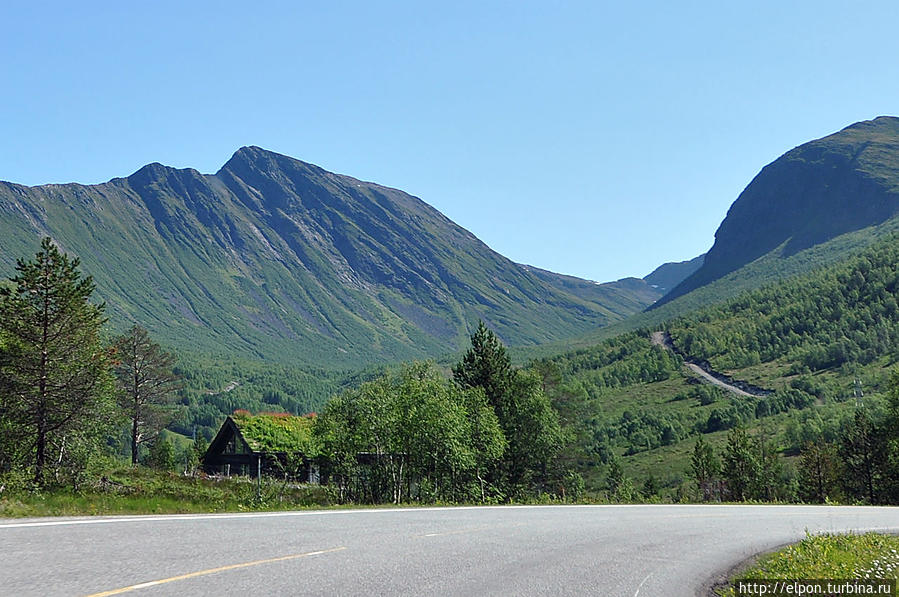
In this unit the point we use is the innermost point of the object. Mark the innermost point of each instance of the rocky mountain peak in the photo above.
(824, 188)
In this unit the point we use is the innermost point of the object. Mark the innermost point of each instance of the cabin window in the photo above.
(234, 446)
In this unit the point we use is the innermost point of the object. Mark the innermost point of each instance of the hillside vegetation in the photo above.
(622, 420)
(765, 271)
(842, 314)
(277, 260)
(276, 282)
(815, 340)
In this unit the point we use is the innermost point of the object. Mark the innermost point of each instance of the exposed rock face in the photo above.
(668, 275)
(844, 182)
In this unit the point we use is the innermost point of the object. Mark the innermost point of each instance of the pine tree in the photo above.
(486, 365)
(525, 414)
(193, 455)
(769, 484)
(615, 476)
(146, 385)
(817, 472)
(621, 488)
(891, 441)
(650, 488)
(199, 448)
(54, 371)
(704, 467)
(860, 450)
(162, 455)
(741, 466)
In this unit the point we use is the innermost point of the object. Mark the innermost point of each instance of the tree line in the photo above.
(489, 433)
(846, 313)
(65, 393)
(857, 461)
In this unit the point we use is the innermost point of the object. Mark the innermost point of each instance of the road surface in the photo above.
(659, 339)
(715, 381)
(631, 551)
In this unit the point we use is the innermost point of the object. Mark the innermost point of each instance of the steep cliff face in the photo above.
(668, 275)
(275, 258)
(843, 182)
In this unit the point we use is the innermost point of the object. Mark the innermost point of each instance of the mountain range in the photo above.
(278, 259)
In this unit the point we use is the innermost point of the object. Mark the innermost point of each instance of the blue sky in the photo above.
(597, 139)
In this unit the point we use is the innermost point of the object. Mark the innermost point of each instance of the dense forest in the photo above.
(821, 343)
(214, 388)
(488, 434)
(842, 314)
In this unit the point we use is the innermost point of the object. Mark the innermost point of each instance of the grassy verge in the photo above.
(146, 491)
(828, 556)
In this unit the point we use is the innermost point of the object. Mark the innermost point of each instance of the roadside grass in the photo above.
(827, 556)
(146, 491)
(142, 490)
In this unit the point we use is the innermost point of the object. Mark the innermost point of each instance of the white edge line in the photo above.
(236, 515)
(643, 582)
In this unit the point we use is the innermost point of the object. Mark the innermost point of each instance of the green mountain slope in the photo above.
(818, 191)
(811, 339)
(769, 269)
(277, 259)
(621, 298)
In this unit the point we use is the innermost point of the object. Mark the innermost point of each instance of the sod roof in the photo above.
(275, 432)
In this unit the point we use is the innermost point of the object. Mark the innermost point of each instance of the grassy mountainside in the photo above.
(622, 297)
(767, 270)
(813, 340)
(818, 191)
(277, 259)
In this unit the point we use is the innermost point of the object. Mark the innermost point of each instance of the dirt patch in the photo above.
(659, 339)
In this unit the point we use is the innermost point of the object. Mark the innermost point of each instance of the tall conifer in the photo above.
(54, 371)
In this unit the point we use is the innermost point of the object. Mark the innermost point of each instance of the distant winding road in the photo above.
(631, 551)
(659, 339)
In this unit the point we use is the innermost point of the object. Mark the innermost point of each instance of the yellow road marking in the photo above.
(154, 583)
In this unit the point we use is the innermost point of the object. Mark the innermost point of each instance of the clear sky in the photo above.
(597, 139)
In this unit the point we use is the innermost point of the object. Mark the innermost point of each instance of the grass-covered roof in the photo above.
(275, 432)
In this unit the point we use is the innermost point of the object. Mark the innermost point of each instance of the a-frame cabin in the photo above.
(274, 444)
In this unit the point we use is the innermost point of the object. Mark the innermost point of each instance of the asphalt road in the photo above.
(632, 551)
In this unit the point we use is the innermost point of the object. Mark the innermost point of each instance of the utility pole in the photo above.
(258, 477)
